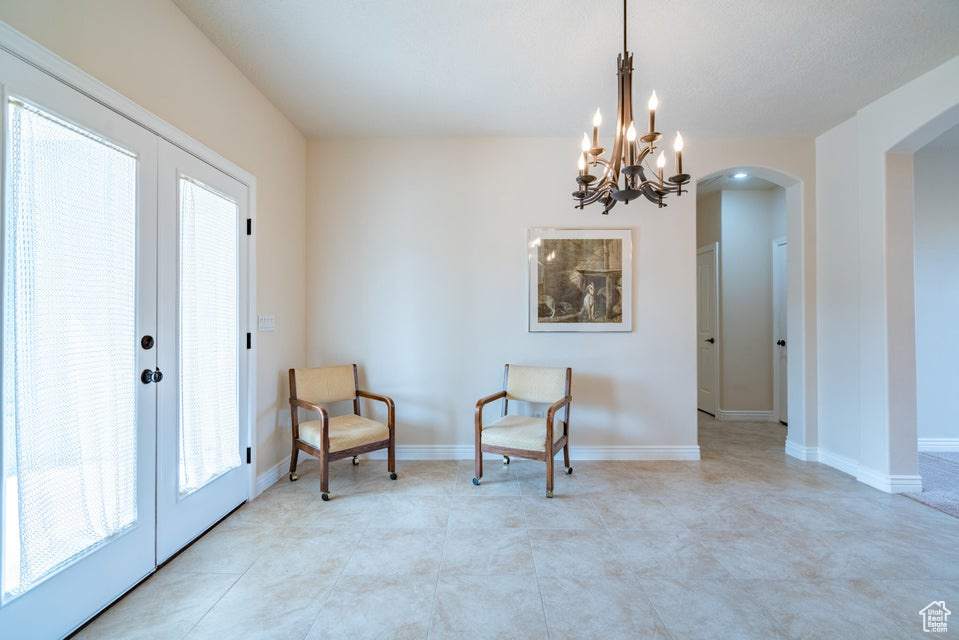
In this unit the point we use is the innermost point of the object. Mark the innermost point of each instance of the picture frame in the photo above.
(580, 279)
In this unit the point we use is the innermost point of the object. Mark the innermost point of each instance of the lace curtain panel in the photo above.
(209, 404)
(69, 336)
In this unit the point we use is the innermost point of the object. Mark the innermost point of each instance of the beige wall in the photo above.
(420, 275)
(151, 53)
(418, 271)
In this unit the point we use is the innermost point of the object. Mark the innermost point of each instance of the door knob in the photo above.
(149, 376)
(781, 343)
(710, 340)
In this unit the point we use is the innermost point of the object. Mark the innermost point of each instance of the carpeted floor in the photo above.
(940, 482)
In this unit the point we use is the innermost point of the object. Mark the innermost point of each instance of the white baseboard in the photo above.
(806, 454)
(689, 453)
(889, 483)
(465, 452)
(269, 477)
(836, 461)
(745, 416)
(939, 444)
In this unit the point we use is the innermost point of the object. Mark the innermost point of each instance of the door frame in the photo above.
(717, 371)
(780, 281)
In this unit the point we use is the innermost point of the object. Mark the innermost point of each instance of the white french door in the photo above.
(124, 426)
(202, 447)
(79, 287)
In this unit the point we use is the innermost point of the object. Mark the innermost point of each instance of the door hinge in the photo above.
(249, 340)
(249, 455)
(249, 226)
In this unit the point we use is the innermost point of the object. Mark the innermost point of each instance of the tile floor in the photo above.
(746, 543)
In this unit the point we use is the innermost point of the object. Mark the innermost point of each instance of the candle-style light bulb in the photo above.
(597, 120)
(630, 143)
(581, 164)
(661, 160)
(585, 145)
(678, 146)
(652, 104)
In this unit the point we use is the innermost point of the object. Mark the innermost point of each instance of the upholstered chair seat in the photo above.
(519, 432)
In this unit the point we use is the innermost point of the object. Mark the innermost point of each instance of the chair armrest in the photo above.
(303, 404)
(488, 399)
(388, 401)
(482, 402)
(556, 406)
(375, 396)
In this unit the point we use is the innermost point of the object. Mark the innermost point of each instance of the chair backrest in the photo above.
(326, 384)
(535, 384)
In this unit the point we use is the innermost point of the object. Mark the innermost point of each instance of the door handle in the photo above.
(149, 376)
(710, 340)
(780, 343)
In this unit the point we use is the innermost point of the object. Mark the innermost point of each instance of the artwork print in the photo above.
(580, 280)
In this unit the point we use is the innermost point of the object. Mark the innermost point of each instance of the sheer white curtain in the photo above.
(69, 340)
(209, 418)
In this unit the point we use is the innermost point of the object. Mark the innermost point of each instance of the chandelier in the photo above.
(599, 178)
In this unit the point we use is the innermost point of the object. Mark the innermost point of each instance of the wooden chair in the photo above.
(535, 438)
(333, 438)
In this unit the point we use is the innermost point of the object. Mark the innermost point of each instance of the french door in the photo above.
(123, 422)
(202, 449)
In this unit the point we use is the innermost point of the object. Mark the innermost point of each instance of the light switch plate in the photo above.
(266, 323)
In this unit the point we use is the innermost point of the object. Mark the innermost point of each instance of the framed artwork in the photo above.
(580, 279)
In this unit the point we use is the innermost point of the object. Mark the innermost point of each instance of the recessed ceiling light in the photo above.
(740, 175)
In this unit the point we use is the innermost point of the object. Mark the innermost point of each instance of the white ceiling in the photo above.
(541, 67)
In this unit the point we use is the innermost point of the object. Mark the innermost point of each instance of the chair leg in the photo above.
(569, 469)
(325, 477)
(293, 456)
(391, 459)
(549, 476)
(478, 466)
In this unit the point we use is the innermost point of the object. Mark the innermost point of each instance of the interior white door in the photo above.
(707, 313)
(202, 348)
(780, 349)
(77, 524)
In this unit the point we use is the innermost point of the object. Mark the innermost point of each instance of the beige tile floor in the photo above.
(746, 543)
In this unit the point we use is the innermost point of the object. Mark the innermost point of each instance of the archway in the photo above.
(801, 435)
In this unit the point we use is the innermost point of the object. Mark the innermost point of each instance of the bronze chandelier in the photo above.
(629, 157)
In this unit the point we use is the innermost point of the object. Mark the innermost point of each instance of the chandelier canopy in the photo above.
(599, 178)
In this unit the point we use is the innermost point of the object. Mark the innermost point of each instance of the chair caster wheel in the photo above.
(392, 475)
(549, 494)
(294, 477)
(326, 496)
(476, 481)
(569, 471)
(505, 459)
(356, 461)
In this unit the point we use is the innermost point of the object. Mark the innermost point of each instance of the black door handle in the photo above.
(710, 340)
(149, 376)
(781, 343)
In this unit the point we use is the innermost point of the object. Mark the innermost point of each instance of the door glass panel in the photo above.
(69, 346)
(208, 360)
